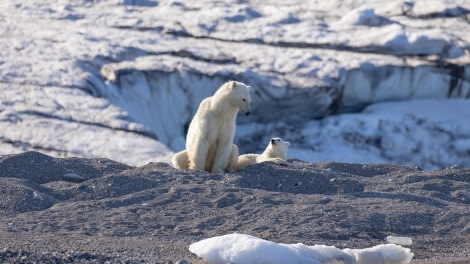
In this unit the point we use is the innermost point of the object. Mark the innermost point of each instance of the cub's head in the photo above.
(240, 95)
(278, 148)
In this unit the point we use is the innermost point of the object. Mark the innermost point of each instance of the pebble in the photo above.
(24, 256)
(37, 196)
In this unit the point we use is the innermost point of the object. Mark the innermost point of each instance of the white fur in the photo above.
(210, 135)
(276, 151)
(180, 160)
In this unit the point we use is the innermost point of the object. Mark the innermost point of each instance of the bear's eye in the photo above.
(244, 100)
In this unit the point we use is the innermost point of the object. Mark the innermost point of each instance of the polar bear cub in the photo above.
(209, 141)
(276, 151)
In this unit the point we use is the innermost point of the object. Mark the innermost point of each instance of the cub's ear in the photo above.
(287, 143)
(249, 87)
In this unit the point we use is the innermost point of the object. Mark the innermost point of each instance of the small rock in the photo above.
(73, 177)
(412, 178)
(37, 195)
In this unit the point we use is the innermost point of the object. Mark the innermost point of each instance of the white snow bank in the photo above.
(246, 249)
(69, 122)
(448, 110)
(431, 134)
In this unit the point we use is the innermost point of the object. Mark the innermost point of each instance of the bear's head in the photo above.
(278, 148)
(240, 96)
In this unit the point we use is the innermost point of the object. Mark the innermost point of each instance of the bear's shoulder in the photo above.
(205, 104)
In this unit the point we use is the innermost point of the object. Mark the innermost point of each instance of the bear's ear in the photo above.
(232, 85)
(287, 143)
(249, 87)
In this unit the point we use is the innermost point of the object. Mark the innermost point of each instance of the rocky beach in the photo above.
(101, 211)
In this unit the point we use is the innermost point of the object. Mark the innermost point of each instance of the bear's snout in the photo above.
(273, 142)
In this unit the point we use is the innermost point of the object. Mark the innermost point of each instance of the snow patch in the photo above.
(246, 249)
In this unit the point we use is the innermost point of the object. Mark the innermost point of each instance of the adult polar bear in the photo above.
(209, 142)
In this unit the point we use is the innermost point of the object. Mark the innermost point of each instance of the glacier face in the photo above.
(174, 94)
(122, 79)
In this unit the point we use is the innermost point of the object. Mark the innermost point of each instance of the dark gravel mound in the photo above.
(100, 211)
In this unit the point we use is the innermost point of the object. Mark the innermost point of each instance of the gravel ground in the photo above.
(77, 210)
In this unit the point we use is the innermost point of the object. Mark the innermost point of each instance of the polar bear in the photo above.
(209, 141)
(276, 151)
(180, 160)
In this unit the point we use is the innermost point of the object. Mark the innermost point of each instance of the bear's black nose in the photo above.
(247, 113)
(273, 141)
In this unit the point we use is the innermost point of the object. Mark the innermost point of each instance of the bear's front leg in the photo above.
(233, 159)
(279, 161)
(197, 158)
(221, 158)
